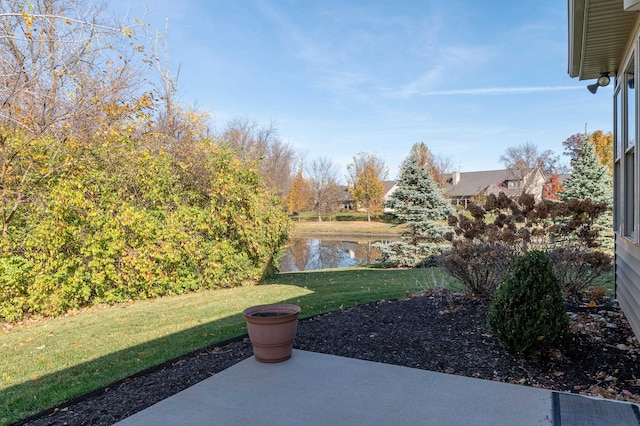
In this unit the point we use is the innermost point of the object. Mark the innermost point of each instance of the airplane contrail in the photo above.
(499, 90)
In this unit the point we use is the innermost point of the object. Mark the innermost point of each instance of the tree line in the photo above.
(316, 187)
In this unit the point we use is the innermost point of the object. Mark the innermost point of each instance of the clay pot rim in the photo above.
(272, 307)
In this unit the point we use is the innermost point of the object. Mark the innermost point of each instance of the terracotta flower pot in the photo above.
(272, 329)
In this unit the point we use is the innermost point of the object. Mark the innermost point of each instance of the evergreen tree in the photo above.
(420, 203)
(589, 178)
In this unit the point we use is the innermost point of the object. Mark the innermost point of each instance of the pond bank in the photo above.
(351, 228)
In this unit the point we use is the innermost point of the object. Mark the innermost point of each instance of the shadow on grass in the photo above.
(327, 290)
(38, 397)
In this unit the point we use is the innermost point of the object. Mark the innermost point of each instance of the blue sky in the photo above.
(467, 77)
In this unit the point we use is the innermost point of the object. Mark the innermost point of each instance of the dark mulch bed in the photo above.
(436, 331)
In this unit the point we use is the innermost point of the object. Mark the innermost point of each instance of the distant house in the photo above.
(390, 187)
(347, 202)
(562, 178)
(463, 187)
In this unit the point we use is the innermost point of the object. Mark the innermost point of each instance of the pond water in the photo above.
(306, 254)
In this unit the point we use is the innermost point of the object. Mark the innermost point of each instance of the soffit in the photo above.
(598, 35)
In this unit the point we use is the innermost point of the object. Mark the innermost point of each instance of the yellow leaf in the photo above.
(592, 304)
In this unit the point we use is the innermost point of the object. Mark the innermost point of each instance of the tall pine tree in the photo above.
(589, 178)
(420, 203)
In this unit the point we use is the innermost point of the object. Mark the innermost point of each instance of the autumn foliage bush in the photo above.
(111, 190)
(481, 251)
(480, 266)
(131, 221)
(578, 269)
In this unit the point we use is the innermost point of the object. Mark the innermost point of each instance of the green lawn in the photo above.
(348, 228)
(46, 362)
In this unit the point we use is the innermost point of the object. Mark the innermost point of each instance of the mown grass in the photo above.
(348, 228)
(342, 216)
(44, 363)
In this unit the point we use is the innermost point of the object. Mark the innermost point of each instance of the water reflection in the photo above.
(306, 254)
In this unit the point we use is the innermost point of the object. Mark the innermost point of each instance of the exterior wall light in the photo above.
(602, 81)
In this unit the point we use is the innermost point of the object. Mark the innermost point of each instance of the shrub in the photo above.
(527, 312)
(403, 254)
(577, 269)
(14, 279)
(513, 227)
(479, 266)
(102, 237)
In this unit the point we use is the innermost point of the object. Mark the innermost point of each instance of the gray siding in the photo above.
(628, 280)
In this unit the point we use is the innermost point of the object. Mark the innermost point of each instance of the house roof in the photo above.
(472, 183)
(598, 35)
(562, 177)
(388, 184)
(345, 195)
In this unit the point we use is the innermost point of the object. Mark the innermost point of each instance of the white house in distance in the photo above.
(604, 44)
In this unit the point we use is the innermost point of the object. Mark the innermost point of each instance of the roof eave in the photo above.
(576, 35)
(598, 34)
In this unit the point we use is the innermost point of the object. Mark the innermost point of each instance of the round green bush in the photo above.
(527, 312)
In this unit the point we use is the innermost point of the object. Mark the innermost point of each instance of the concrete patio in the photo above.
(319, 389)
